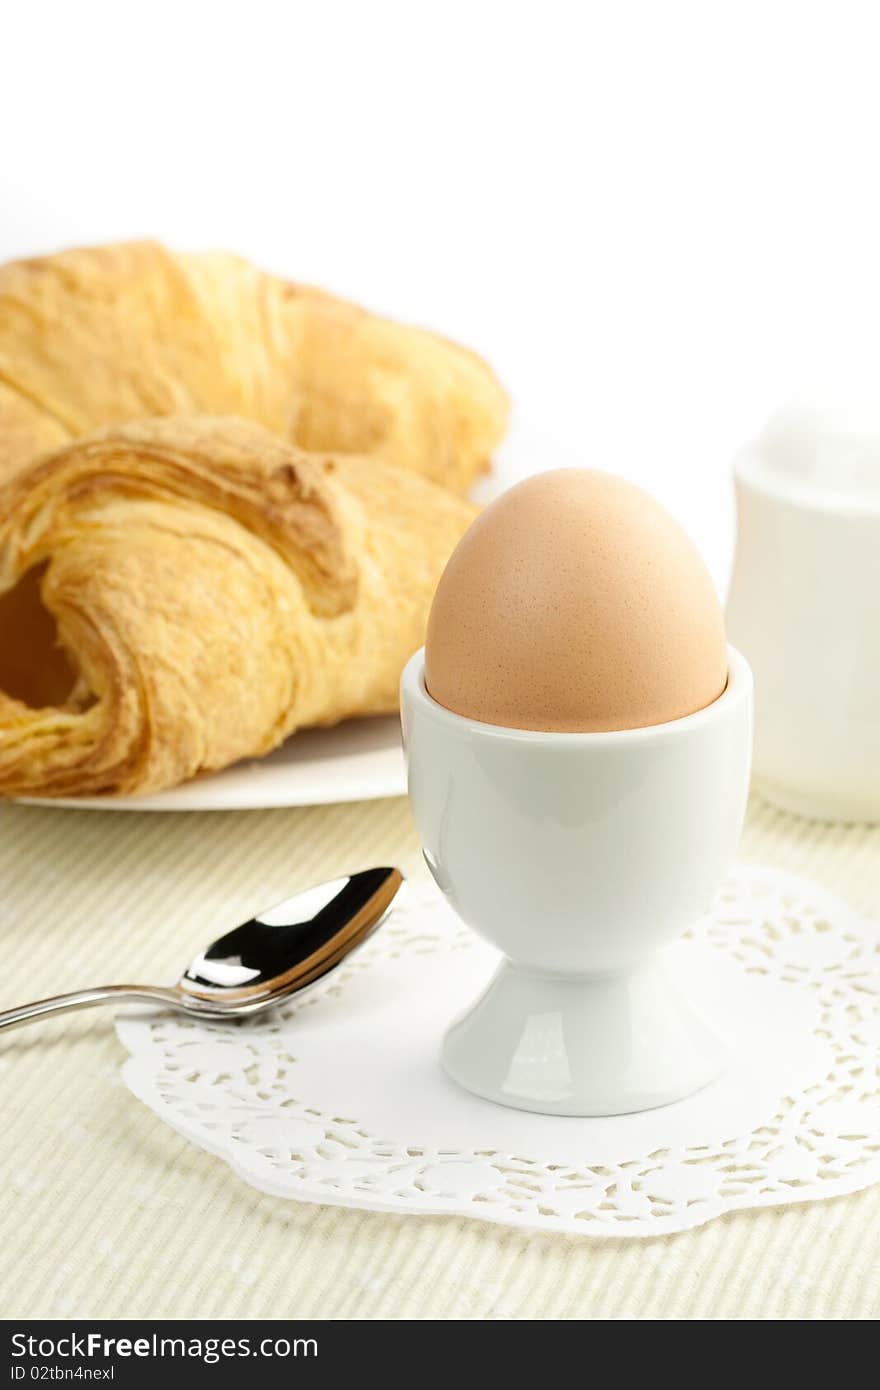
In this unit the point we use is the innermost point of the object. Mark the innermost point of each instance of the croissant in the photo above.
(98, 336)
(181, 592)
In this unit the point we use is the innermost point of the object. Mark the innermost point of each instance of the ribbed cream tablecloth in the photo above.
(107, 1212)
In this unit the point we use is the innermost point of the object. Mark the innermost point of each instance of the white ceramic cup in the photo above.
(804, 607)
(581, 856)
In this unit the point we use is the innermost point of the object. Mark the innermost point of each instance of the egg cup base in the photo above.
(583, 1046)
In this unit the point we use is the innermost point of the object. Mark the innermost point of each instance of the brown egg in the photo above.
(576, 603)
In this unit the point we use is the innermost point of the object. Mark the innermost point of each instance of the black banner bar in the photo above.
(131, 1353)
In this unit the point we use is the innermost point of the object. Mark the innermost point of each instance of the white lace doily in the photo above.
(338, 1096)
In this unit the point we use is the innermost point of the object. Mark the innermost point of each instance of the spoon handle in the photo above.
(87, 999)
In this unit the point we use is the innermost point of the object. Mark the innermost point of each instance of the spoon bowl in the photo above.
(261, 962)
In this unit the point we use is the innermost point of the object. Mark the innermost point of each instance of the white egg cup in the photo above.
(581, 856)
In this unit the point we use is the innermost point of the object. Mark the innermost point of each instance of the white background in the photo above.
(656, 220)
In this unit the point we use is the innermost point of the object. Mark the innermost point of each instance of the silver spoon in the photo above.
(258, 964)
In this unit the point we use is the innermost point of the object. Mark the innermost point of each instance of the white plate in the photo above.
(357, 761)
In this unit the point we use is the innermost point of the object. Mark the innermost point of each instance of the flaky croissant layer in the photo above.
(97, 336)
(213, 588)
